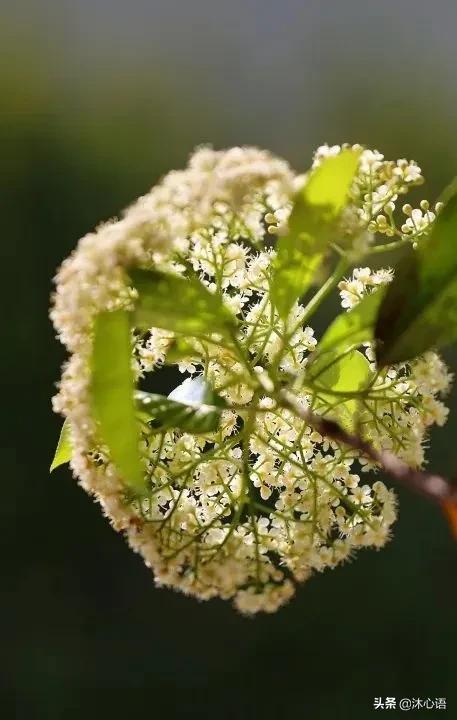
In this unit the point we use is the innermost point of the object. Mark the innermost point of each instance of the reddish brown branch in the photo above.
(434, 487)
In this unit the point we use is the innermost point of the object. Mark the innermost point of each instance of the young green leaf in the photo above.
(178, 304)
(349, 329)
(419, 310)
(337, 383)
(297, 261)
(64, 448)
(316, 209)
(192, 407)
(112, 386)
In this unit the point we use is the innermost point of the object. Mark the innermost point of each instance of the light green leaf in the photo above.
(192, 407)
(112, 387)
(64, 447)
(419, 310)
(345, 375)
(316, 209)
(328, 187)
(350, 329)
(298, 259)
(182, 305)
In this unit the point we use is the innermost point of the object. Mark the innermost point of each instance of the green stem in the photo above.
(326, 289)
(388, 247)
(247, 432)
(243, 359)
(311, 307)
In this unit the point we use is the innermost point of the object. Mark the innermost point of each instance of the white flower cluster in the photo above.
(249, 510)
(405, 398)
(363, 280)
(375, 193)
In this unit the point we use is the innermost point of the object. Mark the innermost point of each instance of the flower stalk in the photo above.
(256, 472)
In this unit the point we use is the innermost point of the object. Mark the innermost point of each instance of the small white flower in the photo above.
(419, 221)
(219, 507)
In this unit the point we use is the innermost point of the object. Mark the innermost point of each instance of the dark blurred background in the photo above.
(98, 100)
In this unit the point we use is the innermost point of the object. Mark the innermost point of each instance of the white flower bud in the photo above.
(227, 506)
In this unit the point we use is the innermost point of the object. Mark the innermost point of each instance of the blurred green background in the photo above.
(98, 100)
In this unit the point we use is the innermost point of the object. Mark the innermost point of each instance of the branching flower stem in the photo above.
(330, 284)
(433, 487)
(245, 496)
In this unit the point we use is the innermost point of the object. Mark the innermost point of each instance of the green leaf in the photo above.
(316, 209)
(345, 375)
(192, 407)
(349, 329)
(112, 386)
(64, 447)
(182, 305)
(298, 259)
(419, 310)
